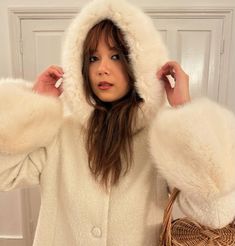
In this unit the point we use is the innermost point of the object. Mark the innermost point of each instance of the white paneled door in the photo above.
(14, 229)
(196, 42)
(41, 44)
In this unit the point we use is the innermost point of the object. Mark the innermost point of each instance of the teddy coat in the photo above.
(191, 147)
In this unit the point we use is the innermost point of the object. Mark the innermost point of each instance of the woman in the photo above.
(99, 184)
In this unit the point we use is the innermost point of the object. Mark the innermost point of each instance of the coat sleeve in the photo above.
(193, 147)
(29, 124)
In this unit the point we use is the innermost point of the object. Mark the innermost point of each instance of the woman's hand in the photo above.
(46, 82)
(180, 93)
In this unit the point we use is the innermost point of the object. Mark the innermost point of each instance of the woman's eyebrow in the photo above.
(113, 48)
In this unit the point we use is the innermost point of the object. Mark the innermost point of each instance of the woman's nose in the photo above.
(103, 67)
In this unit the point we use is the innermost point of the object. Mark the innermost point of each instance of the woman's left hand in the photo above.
(180, 93)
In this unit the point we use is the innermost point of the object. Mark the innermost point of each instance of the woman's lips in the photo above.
(104, 85)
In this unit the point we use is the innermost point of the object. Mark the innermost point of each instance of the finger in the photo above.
(55, 73)
(53, 69)
(165, 80)
(57, 68)
(171, 65)
(59, 82)
(167, 86)
(175, 70)
(61, 90)
(169, 81)
(168, 73)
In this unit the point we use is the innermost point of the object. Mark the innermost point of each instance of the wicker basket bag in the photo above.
(186, 232)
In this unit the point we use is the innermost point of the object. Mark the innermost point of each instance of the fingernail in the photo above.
(58, 82)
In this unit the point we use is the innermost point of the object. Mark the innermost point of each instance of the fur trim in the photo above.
(147, 53)
(194, 148)
(215, 213)
(27, 120)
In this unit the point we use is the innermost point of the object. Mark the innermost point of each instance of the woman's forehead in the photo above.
(107, 38)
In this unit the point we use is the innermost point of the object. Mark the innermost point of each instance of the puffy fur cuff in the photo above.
(27, 120)
(215, 213)
(194, 148)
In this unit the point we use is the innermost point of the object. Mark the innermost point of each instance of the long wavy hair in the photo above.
(110, 129)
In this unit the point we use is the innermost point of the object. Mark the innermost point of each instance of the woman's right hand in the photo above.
(45, 82)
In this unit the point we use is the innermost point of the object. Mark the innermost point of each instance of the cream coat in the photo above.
(191, 146)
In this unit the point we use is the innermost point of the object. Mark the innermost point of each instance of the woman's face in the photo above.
(107, 75)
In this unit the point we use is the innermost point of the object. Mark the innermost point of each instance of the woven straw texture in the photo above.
(185, 232)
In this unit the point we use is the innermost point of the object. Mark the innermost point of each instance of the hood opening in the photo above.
(146, 54)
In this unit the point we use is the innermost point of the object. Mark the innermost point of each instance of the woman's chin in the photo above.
(109, 99)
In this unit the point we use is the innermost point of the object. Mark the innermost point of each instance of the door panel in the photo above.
(13, 232)
(41, 43)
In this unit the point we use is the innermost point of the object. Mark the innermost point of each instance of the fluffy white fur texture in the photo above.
(215, 213)
(147, 53)
(27, 120)
(194, 148)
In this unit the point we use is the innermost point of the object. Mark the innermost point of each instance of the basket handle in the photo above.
(165, 239)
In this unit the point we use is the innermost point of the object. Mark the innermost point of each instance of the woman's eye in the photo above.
(93, 58)
(115, 57)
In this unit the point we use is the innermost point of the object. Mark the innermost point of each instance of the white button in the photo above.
(96, 231)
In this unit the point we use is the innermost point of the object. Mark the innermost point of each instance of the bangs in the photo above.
(112, 37)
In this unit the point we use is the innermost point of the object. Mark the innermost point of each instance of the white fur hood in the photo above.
(147, 54)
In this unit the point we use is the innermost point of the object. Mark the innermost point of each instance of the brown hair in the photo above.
(110, 126)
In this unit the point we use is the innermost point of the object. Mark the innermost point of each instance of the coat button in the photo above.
(96, 232)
